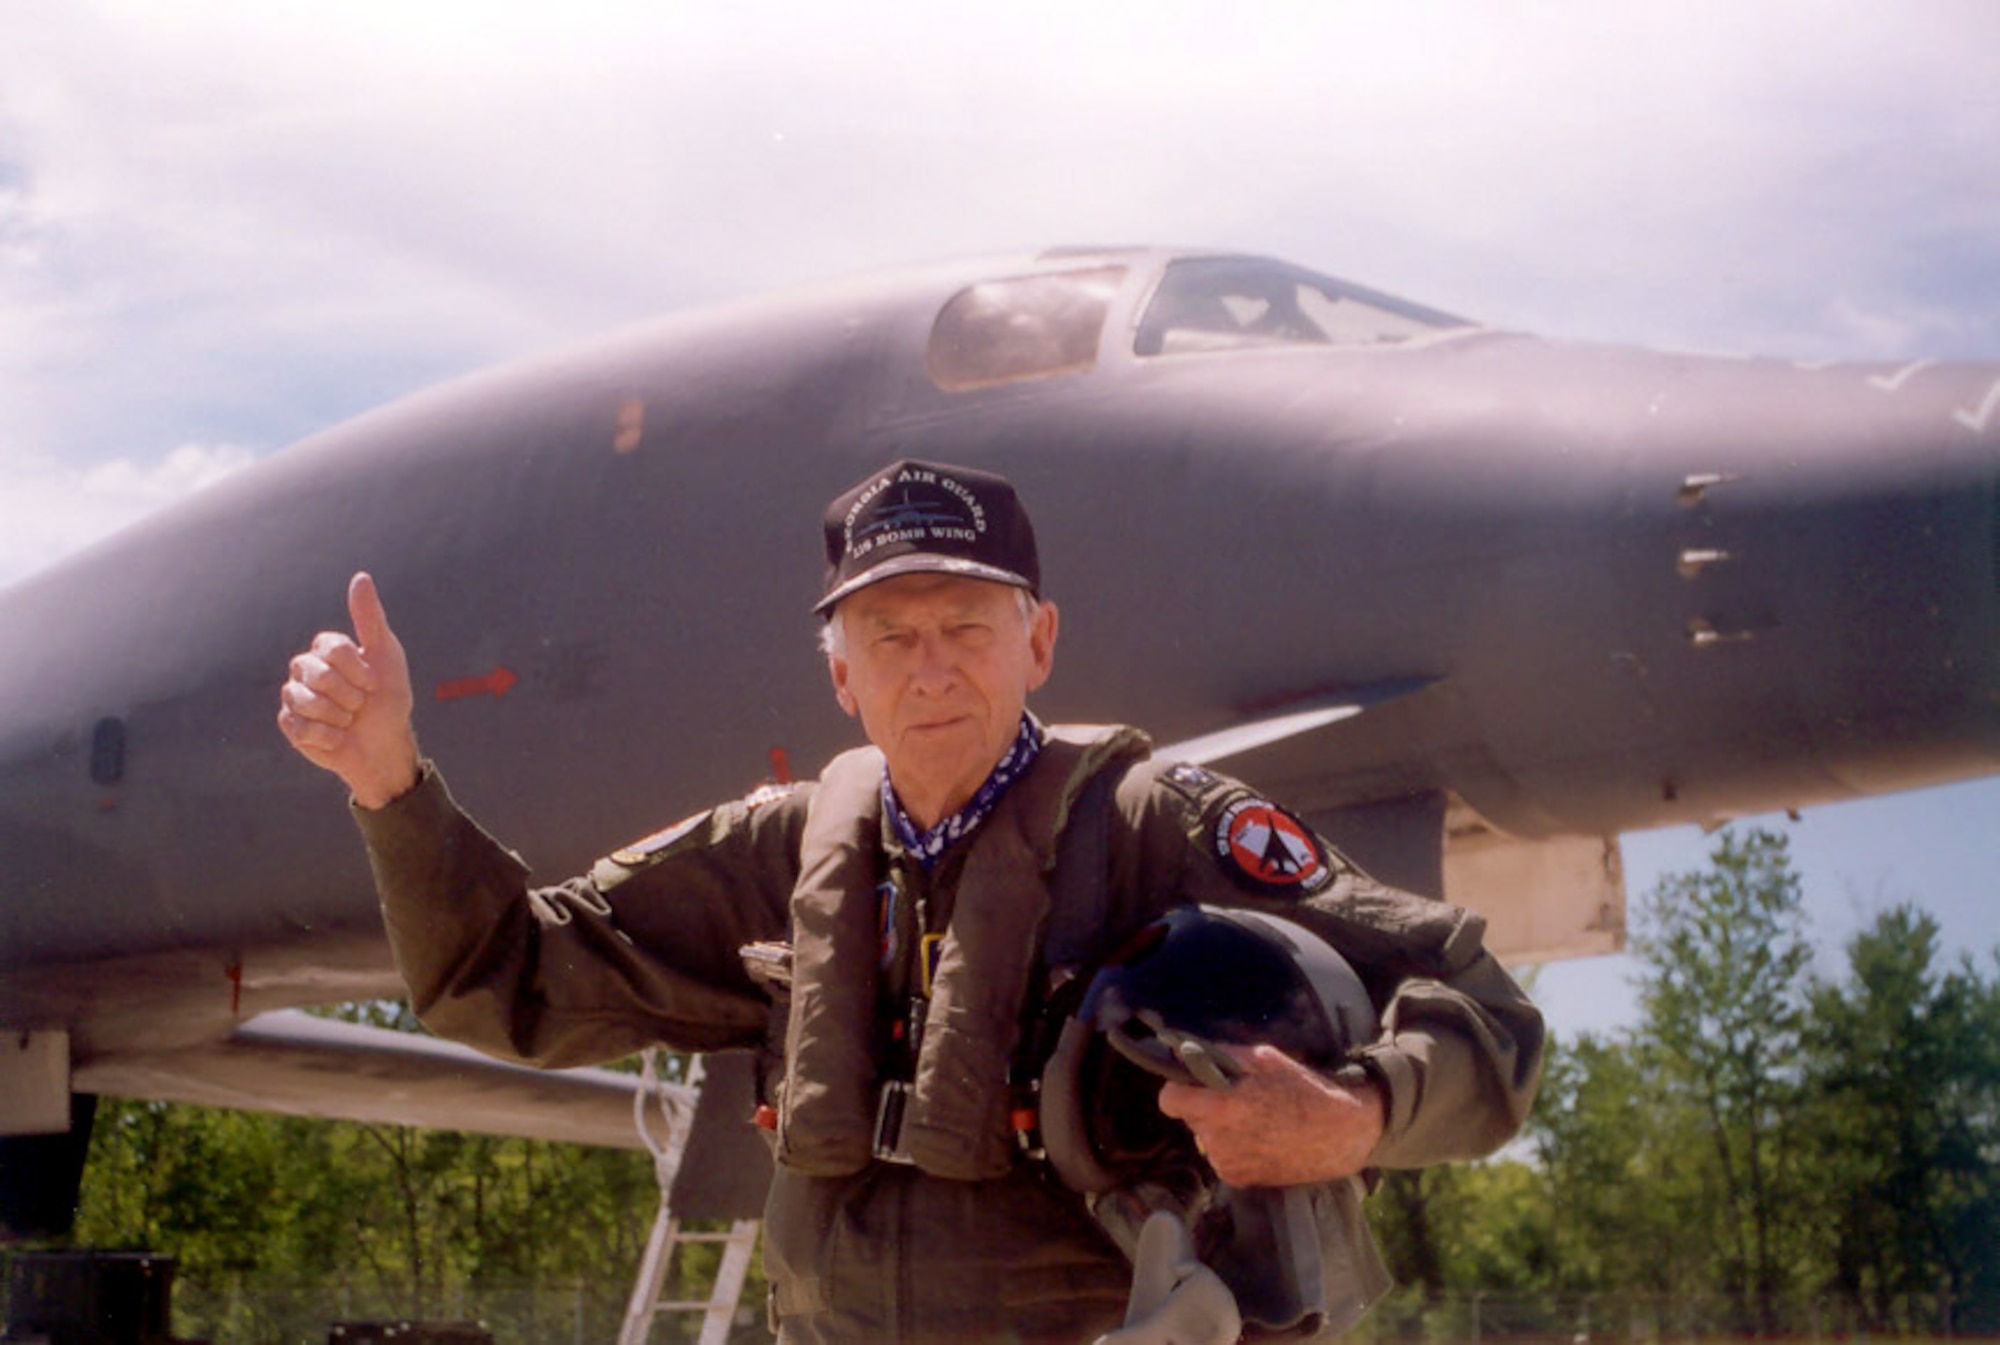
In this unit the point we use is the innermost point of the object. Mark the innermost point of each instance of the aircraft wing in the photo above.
(1295, 720)
(1543, 899)
(299, 1065)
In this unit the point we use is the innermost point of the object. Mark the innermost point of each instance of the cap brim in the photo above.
(919, 563)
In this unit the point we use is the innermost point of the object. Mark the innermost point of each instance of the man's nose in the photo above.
(936, 663)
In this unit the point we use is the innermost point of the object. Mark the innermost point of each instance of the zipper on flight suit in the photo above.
(911, 944)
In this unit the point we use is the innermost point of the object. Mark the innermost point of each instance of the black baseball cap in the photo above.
(913, 517)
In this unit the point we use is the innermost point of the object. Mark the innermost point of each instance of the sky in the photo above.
(224, 226)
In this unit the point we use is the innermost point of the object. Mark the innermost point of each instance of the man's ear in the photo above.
(1042, 632)
(836, 668)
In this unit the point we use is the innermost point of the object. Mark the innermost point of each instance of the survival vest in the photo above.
(955, 1117)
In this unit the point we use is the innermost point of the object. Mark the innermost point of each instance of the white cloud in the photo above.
(236, 223)
(50, 509)
(187, 468)
(530, 172)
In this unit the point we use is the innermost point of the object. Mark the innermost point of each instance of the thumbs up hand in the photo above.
(347, 704)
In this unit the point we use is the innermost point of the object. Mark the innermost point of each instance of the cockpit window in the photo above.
(1004, 331)
(1237, 303)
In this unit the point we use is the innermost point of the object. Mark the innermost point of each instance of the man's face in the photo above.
(938, 669)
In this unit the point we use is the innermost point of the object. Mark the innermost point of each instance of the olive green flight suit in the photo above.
(644, 950)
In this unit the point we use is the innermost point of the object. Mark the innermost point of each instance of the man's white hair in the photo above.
(833, 633)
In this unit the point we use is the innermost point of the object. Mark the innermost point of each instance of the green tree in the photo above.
(1722, 1000)
(414, 1220)
(1400, 1214)
(1494, 1222)
(1906, 1069)
(1620, 1157)
(197, 1181)
(1759, 1133)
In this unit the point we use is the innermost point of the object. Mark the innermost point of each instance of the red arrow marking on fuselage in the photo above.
(495, 684)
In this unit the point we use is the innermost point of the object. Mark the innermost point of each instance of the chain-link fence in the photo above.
(106, 1289)
(590, 1314)
(1559, 1320)
(550, 1314)
(250, 1312)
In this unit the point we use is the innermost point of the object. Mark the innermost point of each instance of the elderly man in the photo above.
(909, 889)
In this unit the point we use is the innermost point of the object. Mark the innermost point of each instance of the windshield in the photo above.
(1236, 303)
(1004, 331)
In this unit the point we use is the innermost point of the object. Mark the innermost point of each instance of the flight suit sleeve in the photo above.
(642, 951)
(1459, 1052)
(1459, 1058)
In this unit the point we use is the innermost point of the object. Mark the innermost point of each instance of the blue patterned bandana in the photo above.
(929, 846)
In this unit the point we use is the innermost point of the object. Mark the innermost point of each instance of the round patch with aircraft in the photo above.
(1270, 849)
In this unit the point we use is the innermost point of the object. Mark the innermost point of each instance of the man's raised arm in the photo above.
(347, 703)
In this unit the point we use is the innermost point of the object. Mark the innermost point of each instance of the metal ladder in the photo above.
(666, 1139)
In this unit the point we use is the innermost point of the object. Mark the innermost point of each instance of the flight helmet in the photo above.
(1167, 1005)
(1193, 979)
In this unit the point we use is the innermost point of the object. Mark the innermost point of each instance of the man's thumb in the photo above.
(365, 610)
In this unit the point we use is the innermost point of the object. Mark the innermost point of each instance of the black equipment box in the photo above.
(90, 1298)
(408, 1333)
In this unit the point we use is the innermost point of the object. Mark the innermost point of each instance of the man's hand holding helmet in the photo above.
(1281, 1123)
(1242, 1027)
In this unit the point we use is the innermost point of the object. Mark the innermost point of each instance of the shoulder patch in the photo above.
(639, 852)
(1269, 850)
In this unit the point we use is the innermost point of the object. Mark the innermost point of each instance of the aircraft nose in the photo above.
(1854, 561)
(1967, 591)
(1940, 487)
(1993, 589)
(1982, 619)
